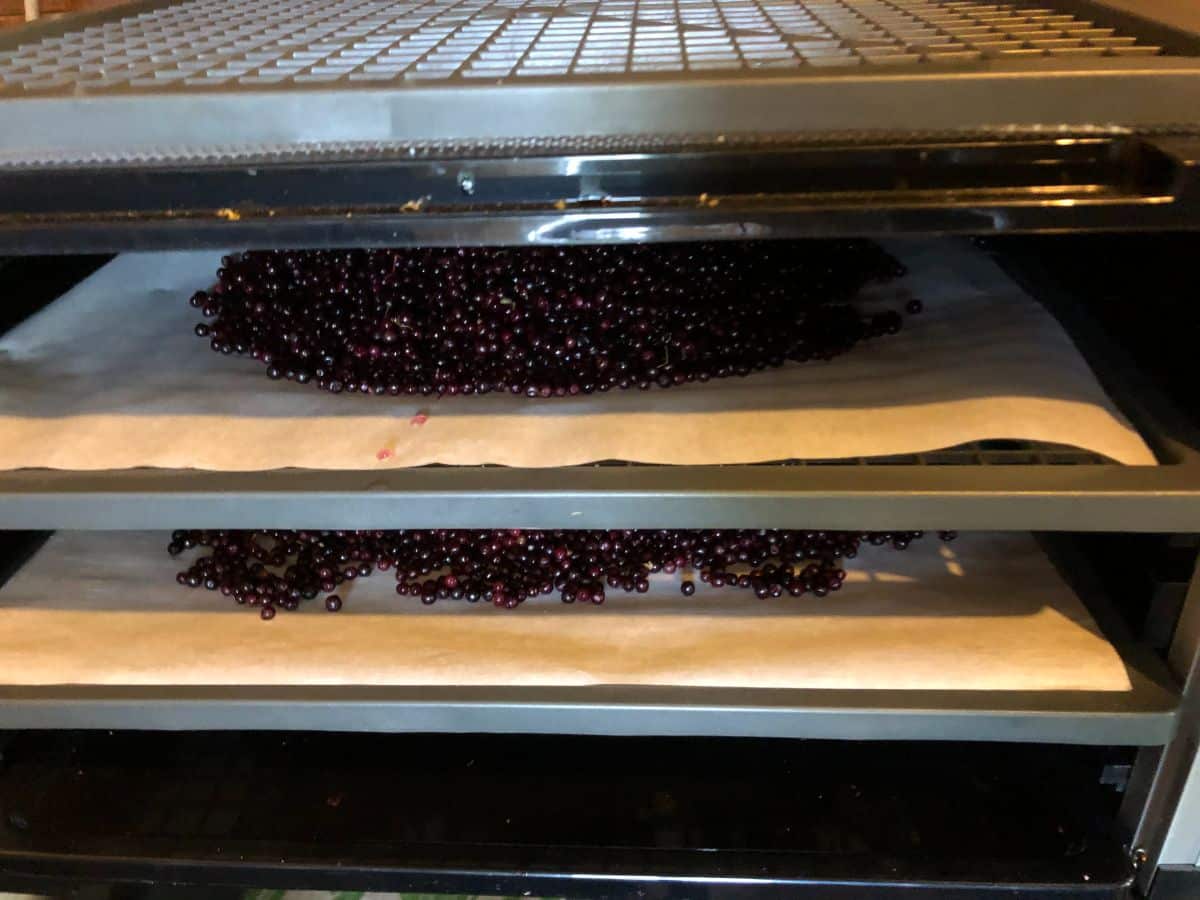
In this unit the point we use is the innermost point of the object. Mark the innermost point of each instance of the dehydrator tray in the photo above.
(199, 77)
(94, 627)
(983, 360)
(104, 608)
(1008, 484)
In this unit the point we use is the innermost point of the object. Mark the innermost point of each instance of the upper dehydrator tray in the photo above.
(992, 485)
(169, 79)
(981, 360)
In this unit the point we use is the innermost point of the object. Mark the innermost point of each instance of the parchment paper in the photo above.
(103, 608)
(111, 376)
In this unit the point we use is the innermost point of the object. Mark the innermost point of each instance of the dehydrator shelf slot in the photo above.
(926, 643)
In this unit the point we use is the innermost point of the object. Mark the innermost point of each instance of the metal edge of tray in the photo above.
(1131, 93)
(1143, 716)
(594, 222)
(1062, 498)
(1138, 93)
(55, 874)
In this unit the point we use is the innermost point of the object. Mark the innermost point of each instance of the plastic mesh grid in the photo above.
(200, 44)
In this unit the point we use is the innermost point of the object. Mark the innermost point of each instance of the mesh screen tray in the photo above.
(200, 44)
(160, 78)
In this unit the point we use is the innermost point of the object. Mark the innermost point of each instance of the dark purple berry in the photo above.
(278, 569)
(547, 323)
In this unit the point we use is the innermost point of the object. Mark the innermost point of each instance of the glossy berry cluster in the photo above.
(275, 570)
(543, 322)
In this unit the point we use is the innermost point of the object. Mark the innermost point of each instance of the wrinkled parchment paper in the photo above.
(111, 376)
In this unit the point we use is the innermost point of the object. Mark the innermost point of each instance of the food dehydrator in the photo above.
(939, 738)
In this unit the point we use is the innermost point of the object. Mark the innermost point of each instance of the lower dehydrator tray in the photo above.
(935, 642)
